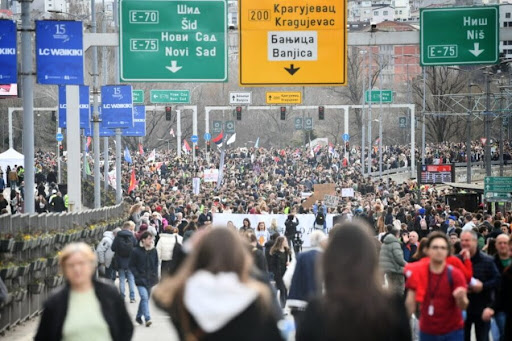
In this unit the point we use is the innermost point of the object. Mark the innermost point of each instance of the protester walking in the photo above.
(279, 259)
(392, 261)
(123, 245)
(165, 248)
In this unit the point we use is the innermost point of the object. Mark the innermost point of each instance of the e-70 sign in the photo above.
(459, 35)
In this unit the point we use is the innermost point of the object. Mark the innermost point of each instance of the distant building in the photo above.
(382, 13)
(506, 21)
(56, 6)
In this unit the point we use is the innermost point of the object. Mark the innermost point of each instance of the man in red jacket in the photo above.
(445, 294)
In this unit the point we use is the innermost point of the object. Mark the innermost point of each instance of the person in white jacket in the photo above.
(105, 255)
(165, 247)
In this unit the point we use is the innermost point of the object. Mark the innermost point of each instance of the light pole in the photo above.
(487, 126)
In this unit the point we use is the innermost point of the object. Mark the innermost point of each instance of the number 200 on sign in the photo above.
(259, 15)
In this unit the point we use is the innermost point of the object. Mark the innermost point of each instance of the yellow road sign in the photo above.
(293, 42)
(294, 97)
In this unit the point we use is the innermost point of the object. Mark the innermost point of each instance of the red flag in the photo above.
(218, 138)
(186, 146)
(141, 150)
(133, 182)
(89, 140)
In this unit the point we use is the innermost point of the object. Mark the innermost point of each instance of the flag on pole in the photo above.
(218, 138)
(377, 140)
(133, 182)
(127, 156)
(172, 132)
(88, 144)
(186, 147)
(87, 168)
(257, 144)
(141, 150)
(152, 156)
(231, 139)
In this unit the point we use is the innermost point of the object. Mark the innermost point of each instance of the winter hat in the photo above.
(421, 211)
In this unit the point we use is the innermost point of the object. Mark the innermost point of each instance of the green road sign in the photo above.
(173, 41)
(217, 126)
(308, 123)
(498, 188)
(386, 95)
(169, 96)
(230, 127)
(138, 96)
(402, 122)
(298, 123)
(459, 35)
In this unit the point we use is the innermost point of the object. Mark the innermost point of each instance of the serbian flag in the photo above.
(133, 182)
(317, 148)
(218, 138)
(141, 150)
(331, 148)
(186, 147)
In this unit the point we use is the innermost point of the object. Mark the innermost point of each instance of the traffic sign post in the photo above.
(230, 127)
(207, 136)
(194, 138)
(345, 137)
(467, 35)
(498, 188)
(173, 41)
(378, 96)
(294, 97)
(308, 123)
(299, 125)
(85, 110)
(59, 52)
(402, 122)
(138, 96)
(59, 137)
(169, 96)
(217, 126)
(240, 97)
(8, 52)
(281, 44)
(117, 106)
(139, 122)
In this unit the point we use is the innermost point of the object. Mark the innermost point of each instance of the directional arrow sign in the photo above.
(299, 42)
(468, 35)
(173, 41)
(169, 96)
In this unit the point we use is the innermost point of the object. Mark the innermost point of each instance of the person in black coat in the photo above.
(144, 266)
(103, 315)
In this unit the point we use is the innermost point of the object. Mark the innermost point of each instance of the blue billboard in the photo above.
(85, 111)
(8, 62)
(104, 132)
(59, 52)
(117, 106)
(139, 122)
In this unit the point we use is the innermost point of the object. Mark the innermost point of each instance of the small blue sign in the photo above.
(207, 136)
(59, 52)
(59, 137)
(194, 138)
(85, 113)
(117, 106)
(139, 122)
(345, 137)
(8, 62)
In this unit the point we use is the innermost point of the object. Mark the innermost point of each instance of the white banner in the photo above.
(196, 183)
(306, 221)
(210, 175)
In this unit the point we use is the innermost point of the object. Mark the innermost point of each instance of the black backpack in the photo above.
(291, 228)
(125, 246)
(320, 218)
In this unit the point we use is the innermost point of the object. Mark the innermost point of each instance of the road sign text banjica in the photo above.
(173, 41)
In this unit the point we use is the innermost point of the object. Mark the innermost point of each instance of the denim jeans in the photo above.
(143, 310)
(457, 335)
(123, 275)
(498, 326)
(481, 328)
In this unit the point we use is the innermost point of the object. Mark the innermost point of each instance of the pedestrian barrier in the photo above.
(29, 249)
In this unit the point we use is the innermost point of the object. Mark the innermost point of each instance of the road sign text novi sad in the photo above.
(169, 96)
(173, 41)
(299, 42)
(459, 35)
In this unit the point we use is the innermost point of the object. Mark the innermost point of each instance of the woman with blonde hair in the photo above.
(262, 233)
(84, 308)
(213, 296)
(134, 214)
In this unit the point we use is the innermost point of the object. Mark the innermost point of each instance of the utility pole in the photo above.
(370, 113)
(487, 124)
(468, 139)
(501, 131)
(363, 119)
(104, 71)
(27, 81)
(423, 142)
(95, 113)
(380, 118)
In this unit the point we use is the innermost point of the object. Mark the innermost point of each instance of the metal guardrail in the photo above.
(457, 165)
(28, 251)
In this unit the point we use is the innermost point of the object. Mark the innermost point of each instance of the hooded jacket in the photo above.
(144, 266)
(220, 307)
(391, 255)
(123, 262)
(104, 251)
(166, 244)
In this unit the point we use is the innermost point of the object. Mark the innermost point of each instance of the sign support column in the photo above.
(27, 80)
(119, 190)
(95, 114)
(194, 132)
(73, 147)
(178, 131)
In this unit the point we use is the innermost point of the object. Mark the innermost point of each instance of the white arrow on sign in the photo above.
(174, 67)
(476, 50)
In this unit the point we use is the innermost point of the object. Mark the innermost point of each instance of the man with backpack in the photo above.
(440, 290)
(123, 245)
(421, 224)
(320, 212)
